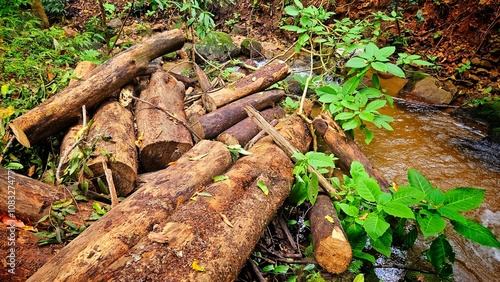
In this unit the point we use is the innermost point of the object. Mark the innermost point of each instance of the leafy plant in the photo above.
(463, 67)
(367, 212)
(198, 16)
(290, 105)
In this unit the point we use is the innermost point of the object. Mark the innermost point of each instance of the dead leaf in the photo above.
(226, 220)
(198, 157)
(395, 186)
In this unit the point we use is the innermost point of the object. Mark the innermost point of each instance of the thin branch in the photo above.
(111, 184)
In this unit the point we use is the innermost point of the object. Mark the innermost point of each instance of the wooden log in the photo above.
(218, 232)
(210, 125)
(246, 129)
(257, 81)
(163, 139)
(344, 148)
(82, 69)
(113, 128)
(108, 239)
(64, 108)
(32, 197)
(332, 250)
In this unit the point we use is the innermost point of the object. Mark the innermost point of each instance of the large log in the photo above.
(344, 148)
(217, 232)
(64, 108)
(246, 129)
(113, 129)
(331, 248)
(30, 198)
(255, 82)
(112, 236)
(163, 139)
(210, 125)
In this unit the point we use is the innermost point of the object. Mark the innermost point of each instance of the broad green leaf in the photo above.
(370, 92)
(476, 233)
(371, 49)
(375, 81)
(384, 198)
(395, 70)
(350, 124)
(399, 210)
(463, 198)
(62, 204)
(430, 223)
(362, 255)
(299, 4)
(375, 226)
(422, 63)
(356, 63)
(366, 115)
(329, 98)
(368, 135)
(359, 278)
(436, 197)
(368, 188)
(281, 269)
(350, 85)
(383, 243)
(452, 215)
(379, 66)
(349, 210)
(268, 268)
(375, 105)
(299, 193)
(292, 11)
(441, 256)
(262, 186)
(312, 188)
(318, 159)
(407, 196)
(218, 178)
(410, 238)
(357, 170)
(387, 51)
(418, 181)
(344, 116)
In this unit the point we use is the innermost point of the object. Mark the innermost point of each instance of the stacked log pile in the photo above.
(161, 160)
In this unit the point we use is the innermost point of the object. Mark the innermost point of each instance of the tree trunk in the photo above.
(32, 197)
(216, 232)
(246, 129)
(107, 240)
(64, 108)
(210, 125)
(331, 248)
(344, 148)
(163, 140)
(38, 11)
(113, 129)
(257, 81)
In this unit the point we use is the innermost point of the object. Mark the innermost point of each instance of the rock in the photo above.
(473, 77)
(69, 32)
(114, 23)
(486, 64)
(475, 61)
(425, 88)
(217, 46)
(239, 29)
(494, 73)
(251, 48)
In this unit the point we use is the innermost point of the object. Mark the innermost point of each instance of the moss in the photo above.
(218, 46)
(251, 48)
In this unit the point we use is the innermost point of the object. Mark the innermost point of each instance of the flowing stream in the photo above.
(450, 153)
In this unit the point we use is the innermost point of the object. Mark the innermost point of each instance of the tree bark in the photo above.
(105, 242)
(114, 122)
(32, 197)
(63, 109)
(163, 139)
(38, 10)
(257, 81)
(246, 129)
(344, 148)
(331, 248)
(217, 232)
(210, 125)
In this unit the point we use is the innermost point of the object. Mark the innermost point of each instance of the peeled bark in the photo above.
(331, 248)
(113, 128)
(103, 244)
(64, 108)
(163, 139)
(344, 148)
(255, 82)
(210, 125)
(246, 129)
(216, 232)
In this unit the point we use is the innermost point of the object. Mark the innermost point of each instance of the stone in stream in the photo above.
(217, 46)
(428, 89)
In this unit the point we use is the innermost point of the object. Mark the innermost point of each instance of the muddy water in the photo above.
(449, 152)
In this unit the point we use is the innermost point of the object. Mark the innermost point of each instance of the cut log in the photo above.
(32, 197)
(64, 108)
(331, 248)
(113, 129)
(217, 232)
(257, 81)
(163, 139)
(123, 227)
(82, 69)
(212, 124)
(344, 148)
(246, 129)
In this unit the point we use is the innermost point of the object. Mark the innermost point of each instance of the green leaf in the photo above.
(62, 204)
(371, 49)
(368, 135)
(366, 115)
(281, 269)
(268, 268)
(290, 28)
(418, 181)
(299, 193)
(441, 256)
(399, 210)
(312, 188)
(395, 70)
(476, 233)
(370, 92)
(368, 188)
(350, 85)
(218, 178)
(344, 116)
(437, 197)
(383, 243)
(350, 124)
(375, 105)
(356, 63)
(263, 187)
(299, 4)
(319, 159)
(422, 63)
(349, 210)
(292, 11)
(387, 51)
(463, 198)
(407, 195)
(361, 255)
(359, 278)
(357, 170)
(452, 215)
(430, 223)
(379, 66)
(375, 226)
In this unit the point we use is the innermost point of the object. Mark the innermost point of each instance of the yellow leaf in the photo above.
(138, 142)
(395, 186)
(196, 266)
(329, 218)
(6, 112)
(31, 171)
